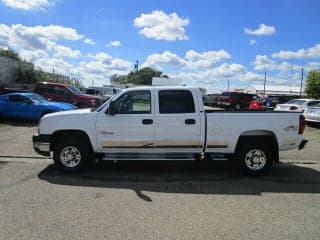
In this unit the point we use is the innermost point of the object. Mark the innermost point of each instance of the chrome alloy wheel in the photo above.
(255, 159)
(70, 156)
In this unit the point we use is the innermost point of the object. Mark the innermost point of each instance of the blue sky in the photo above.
(206, 43)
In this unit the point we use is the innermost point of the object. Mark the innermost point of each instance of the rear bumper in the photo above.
(41, 144)
(303, 144)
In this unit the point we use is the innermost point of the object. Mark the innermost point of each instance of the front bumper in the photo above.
(41, 144)
(303, 144)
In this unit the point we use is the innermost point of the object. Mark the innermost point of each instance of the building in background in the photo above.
(273, 90)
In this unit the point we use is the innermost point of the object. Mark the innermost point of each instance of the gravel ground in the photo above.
(155, 200)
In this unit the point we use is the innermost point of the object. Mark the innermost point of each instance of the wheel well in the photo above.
(63, 134)
(267, 138)
(46, 112)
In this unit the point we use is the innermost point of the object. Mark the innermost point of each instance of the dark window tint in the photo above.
(18, 98)
(134, 102)
(176, 101)
(312, 103)
(44, 88)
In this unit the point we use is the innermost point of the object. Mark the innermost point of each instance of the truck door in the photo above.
(177, 122)
(131, 128)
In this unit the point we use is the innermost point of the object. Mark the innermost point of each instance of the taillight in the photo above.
(292, 108)
(302, 124)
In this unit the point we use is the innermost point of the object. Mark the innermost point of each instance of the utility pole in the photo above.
(136, 66)
(264, 84)
(301, 82)
(228, 86)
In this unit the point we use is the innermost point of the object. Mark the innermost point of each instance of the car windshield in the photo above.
(74, 90)
(296, 102)
(36, 98)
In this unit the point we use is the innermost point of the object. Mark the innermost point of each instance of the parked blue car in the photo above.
(29, 106)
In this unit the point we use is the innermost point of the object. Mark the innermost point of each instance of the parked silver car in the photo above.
(296, 105)
(312, 113)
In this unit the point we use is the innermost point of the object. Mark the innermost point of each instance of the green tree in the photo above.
(313, 84)
(10, 54)
(25, 73)
(142, 77)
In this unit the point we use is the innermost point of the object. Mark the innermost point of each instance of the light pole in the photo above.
(264, 84)
(301, 82)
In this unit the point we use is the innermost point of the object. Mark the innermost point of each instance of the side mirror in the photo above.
(112, 108)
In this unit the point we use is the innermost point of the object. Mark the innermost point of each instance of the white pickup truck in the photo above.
(167, 123)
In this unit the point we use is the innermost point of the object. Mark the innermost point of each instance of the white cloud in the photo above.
(205, 59)
(63, 51)
(262, 30)
(165, 58)
(28, 4)
(312, 52)
(101, 57)
(162, 26)
(89, 41)
(32, 55)
(113, 44)
(32, 38)
(192, 59)
(59, 65)
(103, 63)
(252, 42)
(263, 63)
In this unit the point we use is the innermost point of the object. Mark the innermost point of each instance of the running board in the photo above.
(154, 157)
(163, 157)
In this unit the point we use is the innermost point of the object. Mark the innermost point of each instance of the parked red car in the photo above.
(59, 92)
(256, 105)
(235, 100)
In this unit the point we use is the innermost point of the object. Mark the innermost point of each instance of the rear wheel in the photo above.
(72, 155)
(255, 158)
(237, 106)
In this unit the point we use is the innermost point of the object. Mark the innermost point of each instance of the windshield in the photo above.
(296, 102)
(36, 98)
(74, 90)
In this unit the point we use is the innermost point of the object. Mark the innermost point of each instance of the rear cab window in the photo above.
(176, 101)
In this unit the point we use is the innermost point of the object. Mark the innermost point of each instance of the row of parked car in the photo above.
(244, 101)
(46, 98)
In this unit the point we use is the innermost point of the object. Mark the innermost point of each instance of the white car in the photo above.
(296, 105)
(312, 114)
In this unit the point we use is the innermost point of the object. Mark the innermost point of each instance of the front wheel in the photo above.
(255, 158)
(72, 155)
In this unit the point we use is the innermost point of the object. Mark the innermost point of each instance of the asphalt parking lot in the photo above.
(148, 200)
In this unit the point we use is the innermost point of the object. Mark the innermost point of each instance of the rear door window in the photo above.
(176, 101)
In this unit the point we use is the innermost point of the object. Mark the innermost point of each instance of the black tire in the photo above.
(255, 158)
(79, 151)
(237, 107)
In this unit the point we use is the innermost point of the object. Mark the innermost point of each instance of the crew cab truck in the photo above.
(167, 123)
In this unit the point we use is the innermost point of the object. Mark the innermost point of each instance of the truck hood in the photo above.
(68, 113)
